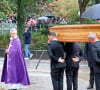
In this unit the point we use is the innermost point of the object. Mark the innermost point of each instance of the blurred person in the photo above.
(88, 56)
(63, 21)
(27, 42)
(56, 53)
(9, 20)
(2, 21)
(13, 20)
(96, 57)
(14, 72)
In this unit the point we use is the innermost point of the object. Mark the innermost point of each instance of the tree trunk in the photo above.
(82, 9)
(21, 19)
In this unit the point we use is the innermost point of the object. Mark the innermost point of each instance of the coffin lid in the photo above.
(75, 33)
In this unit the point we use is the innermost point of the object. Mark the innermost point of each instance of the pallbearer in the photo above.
(14, 69)
(74, 55)
(56, 53)
(96, 57)
(89, 57)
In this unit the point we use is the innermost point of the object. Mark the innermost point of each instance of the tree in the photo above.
(38, 7)
(20, 18)
(5, 9)
(64, 8)
(13, 5)
(21, 11)
(82, 6)
(21, 6)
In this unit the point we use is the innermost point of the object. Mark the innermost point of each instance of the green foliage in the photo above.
(49, 1)
(13, 5)
(20, 18)
(91, 22)
(5, 9)
(44, 32)
(9, 7)
(39, 41)
(2, 15)
(4, 41)
(73, 15)
(38, 7)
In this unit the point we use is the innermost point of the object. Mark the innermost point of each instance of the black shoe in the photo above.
(90, 87)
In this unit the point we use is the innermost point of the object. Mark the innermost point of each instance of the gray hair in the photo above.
(92, 35)
(13, 30)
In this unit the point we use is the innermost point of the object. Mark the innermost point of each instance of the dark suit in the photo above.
(55, 51)
(88, 56)
(96, 58)
(72, 50)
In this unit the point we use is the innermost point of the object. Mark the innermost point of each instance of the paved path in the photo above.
(40, 78)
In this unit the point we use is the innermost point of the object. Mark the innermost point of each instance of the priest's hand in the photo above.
(7, 51)
(75, 59)
(61, 60)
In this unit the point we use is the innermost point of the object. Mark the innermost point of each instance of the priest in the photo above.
(14, 72)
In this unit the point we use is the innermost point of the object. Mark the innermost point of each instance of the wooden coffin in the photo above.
(75, 33)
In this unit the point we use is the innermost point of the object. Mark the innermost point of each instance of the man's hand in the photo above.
(7, 51)
(61, 60)
(75, 59)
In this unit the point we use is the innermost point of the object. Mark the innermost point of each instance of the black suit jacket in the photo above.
(88, 54)
(72, 50)
(96, 56)
(55, 51)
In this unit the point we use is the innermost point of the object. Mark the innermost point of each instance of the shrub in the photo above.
(91, 22)
(39, 41)
(44, 31)
(4, 41)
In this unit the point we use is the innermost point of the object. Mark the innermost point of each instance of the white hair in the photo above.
(13, 30)
(92, 35)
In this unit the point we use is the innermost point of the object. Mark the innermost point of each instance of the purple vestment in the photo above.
(14, 70)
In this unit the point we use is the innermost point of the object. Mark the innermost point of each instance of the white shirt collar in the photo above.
(13, 38)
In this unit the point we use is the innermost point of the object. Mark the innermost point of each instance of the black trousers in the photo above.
(97, 81)
(72, 78)
(91, 76)
(57, 78)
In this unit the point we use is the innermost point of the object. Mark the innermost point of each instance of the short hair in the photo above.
(13, 30)
(92, 35)
(52, 34)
